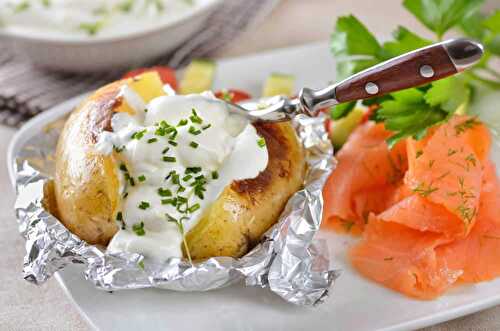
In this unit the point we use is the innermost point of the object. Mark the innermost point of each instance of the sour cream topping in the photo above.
(89, 18)
(175, 157)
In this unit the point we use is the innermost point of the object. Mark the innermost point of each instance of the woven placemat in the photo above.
(25, 90)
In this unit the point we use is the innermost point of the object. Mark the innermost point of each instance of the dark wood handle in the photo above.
(409, 70)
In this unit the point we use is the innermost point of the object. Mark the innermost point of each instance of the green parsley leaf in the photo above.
(352, 39)
(408, 115)
(342, 110)
(440, 15)
(141, 178)
(493, 22)
(448, 93)
(404, 41)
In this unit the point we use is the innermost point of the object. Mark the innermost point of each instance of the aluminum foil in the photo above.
(288, 260)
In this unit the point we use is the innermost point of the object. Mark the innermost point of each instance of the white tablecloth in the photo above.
(27, 307)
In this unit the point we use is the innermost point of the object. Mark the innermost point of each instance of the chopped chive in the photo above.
(144, 205)
(170, 129)
(181, 189)
(138, 135)
(261, 142)
(169, 159)
(165, 150)
(125, 195)
(206, 127)
(182, 122)
(195, 118)
(119, 216)
(152, 140)
(131, 181)
(193, 144)
(170, 174)
(173, 143)
(118, 149)
(187, 177)
(141, 178)
(138, 228)
(141, 265)
(123, 167)
(215, 175)
(194, 208)
(194, 131)
(192, 170)
(175, 179)
(160, 132)
(145, 110)
(164, 192)
(172, 202)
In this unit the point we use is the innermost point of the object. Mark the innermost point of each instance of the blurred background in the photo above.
(223, 29)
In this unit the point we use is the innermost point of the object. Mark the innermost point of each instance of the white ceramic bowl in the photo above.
(106, 53)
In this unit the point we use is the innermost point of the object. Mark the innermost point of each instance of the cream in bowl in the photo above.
(93, 35)
(90, 18)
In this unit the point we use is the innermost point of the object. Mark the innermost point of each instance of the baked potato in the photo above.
(87, 183)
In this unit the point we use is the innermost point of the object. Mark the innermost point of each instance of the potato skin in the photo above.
(247, 208)
(86, 185)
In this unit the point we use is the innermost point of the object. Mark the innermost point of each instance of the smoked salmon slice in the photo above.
(427, 210)
(403, 259)
(478, 255)
(367, 171)
(447, 171)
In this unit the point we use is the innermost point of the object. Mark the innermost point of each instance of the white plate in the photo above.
(354, 304)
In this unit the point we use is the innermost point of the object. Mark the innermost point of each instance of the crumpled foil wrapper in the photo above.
(288, 260)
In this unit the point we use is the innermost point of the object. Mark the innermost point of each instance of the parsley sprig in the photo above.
(410, 113)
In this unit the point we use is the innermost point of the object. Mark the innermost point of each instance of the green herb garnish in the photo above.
(91, 28)
(194, 131)
(261, 142)
(152, 140)
(141, 178)
(169, 159)
(194, 208)
(194, 144)
(182, 122)
(144, 205)
(194, 117)
(138, 135)
(138, 228)
(164, 192)
(411, 112)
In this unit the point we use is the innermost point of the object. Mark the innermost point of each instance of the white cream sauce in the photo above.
(90, 18)
(229, 149)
